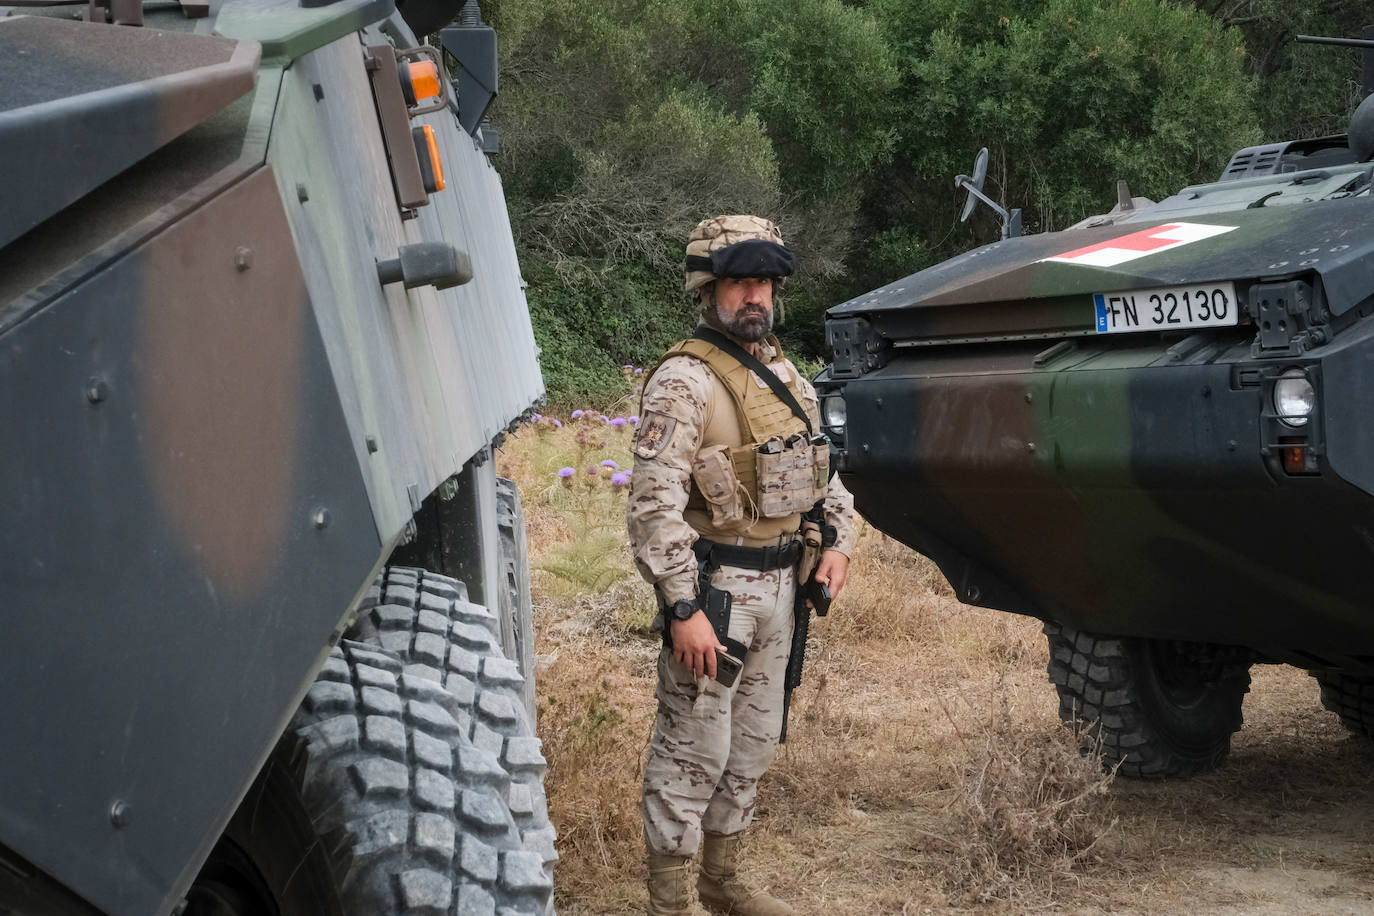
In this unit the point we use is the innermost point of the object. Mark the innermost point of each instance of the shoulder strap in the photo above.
(749, 361)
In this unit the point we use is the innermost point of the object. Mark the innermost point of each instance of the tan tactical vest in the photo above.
(756, 469)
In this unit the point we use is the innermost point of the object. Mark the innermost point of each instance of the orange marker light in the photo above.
(1297, 457)
(419, 80)
(427, 150)
(1294, 461)
(424, 79)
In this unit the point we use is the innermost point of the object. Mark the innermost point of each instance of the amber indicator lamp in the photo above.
(427, 149)
(419, 80)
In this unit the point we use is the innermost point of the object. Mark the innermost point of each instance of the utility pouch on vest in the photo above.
(820, 445)
(787, 475)
(715, 478)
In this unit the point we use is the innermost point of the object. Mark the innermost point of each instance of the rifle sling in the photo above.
(749, 361)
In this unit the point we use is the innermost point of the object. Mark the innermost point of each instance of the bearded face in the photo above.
(744, 307)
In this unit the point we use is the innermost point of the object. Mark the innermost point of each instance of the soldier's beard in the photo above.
(750, 324)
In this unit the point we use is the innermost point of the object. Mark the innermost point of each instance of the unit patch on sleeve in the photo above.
(655, 432)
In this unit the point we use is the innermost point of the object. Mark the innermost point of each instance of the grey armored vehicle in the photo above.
(1151, 431)
(267, 644)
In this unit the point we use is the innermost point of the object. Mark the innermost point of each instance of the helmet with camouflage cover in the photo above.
(736, 246)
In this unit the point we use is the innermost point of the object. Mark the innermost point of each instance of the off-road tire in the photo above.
(270, 859)
(426, 821)
(418, 614)
(1117, 690)
(439, 637)
(1351, 697)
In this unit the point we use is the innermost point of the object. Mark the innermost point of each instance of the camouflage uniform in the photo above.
(711, 744)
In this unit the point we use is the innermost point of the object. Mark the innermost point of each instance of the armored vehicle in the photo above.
(1150, 431)
(267, 645)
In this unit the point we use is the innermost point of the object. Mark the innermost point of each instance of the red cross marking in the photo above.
(1146, 240)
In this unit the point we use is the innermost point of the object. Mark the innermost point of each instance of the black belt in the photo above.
(760, 558)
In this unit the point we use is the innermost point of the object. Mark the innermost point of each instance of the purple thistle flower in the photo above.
(639, 372)
(618, 422)
(557, 423)
(565, 473)
(608, 463)
(634, 421)
(593, 471)
(536, 417)
(577, 414)
(620, 479)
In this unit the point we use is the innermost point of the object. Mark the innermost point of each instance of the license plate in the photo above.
(1167, 308)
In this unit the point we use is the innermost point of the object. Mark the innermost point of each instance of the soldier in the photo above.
(725, 465)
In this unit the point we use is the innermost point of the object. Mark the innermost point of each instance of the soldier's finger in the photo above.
(709, 658)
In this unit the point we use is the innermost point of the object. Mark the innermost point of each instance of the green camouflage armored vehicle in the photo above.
(267, 636)
(1151, 431)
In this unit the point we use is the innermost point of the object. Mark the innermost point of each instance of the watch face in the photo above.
(684, 610)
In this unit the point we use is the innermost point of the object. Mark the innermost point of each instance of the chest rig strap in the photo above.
(749, 361)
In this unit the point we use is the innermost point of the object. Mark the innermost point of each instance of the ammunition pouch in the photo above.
(790, 474)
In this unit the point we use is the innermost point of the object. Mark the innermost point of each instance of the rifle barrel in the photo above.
(1323, 40)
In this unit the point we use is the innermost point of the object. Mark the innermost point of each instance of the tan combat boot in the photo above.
(670, 886)
(722, 890)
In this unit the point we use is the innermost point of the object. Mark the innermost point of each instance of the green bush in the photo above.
(588, 325)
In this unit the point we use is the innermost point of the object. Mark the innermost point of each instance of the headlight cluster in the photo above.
(833, 412)
(1294, 397)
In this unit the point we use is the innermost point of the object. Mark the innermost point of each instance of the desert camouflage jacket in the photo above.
(685, 410)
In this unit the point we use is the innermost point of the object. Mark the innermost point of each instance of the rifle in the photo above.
(816, 538)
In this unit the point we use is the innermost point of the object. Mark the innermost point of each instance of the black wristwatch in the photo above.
(684, 609)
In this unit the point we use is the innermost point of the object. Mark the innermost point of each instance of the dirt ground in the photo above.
(926, 770)
(1282, 828)
(856, 823)
(862, 813)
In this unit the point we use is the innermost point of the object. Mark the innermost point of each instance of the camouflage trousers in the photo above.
(712, 744)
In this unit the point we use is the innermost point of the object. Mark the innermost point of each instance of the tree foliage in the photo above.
(1069, 96)
(626, 121)
(1304, 90)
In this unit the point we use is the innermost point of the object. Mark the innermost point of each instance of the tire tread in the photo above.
(444, 668)
(1098, 694)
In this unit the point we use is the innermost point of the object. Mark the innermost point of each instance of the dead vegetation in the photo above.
(926, 770)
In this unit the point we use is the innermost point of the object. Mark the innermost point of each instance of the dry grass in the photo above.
(926, 769)
(1035, 804)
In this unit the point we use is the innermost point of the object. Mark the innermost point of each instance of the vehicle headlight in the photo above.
(1294, 397)
(833, 412)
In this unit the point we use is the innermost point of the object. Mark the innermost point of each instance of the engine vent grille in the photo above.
(1254, 161)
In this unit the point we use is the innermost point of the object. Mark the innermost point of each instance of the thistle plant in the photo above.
(586, 459)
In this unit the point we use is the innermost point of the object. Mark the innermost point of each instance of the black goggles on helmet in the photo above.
(749, 258)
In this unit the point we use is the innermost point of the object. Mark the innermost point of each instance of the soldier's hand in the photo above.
(695, 644)
(831, 572)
